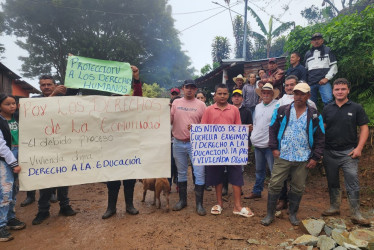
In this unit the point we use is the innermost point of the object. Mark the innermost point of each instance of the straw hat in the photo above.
(240, 76)
(268, 86)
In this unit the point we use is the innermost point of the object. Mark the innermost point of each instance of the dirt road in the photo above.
(158, 229)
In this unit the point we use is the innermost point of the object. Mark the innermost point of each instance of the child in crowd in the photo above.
(9, 168)
(224, 113)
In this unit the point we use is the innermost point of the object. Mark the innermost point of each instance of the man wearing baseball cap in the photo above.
(296, 138)
(184, 112)
(174, 92)
(322, 66)
(275, 76)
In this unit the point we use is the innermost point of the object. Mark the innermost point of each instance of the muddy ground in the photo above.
(158, 229)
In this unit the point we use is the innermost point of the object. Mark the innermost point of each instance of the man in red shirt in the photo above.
(224, 113)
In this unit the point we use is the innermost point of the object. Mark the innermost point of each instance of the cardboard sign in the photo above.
(88, 73)
(86, 139)
(219, 144)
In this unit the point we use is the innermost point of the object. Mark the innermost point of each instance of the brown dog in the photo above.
(157, 185)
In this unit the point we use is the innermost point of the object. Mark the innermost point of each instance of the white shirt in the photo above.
(261, 122)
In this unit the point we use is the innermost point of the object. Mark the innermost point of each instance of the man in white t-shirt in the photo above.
(260, 136)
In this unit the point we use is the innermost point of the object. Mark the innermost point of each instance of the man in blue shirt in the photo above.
(296, 138)
(296, 68)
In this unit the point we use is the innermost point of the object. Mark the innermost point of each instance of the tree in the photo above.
(277, 49)
(268, 34)
(239, 34)
(153, 91)
(2, 49)
(140, 32)
(206, 69)
(315, 15)
(220, 48)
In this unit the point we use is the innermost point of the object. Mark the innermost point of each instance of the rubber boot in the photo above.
(272, 204)
(53, 198)
(354, 201)
(225, 187)
(30, 198)
(112, 204)
(182, 203)
(199, 195)
(335, 201)
(294, 202)
(129, 196)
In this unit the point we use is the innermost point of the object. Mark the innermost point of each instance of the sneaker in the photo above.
(5, 235)
(15, 224)
(67, 211)
(40, 217)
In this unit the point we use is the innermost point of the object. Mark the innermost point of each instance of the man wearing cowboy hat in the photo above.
(239, 81)
(260, 136)
(275, 75)
(297, 139)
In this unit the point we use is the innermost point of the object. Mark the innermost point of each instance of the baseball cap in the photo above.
(174, 90)
(316, 35)
(272, 60)
(303, 87)
(189, 82)
(237, 91)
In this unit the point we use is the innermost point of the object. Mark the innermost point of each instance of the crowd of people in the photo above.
(288, 134)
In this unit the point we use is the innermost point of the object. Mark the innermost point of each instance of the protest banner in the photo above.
(108, 76)
(74, 140)
(219, 144)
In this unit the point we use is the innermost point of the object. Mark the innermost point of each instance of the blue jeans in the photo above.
(181, 151)
(325, 91)
(262, 156)
(8, 191)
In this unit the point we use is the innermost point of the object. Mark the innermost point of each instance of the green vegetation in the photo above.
(139, 32)
(351, 38)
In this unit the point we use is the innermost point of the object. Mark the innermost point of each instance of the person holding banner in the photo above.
(8, 167)
(128, 185)
(184, 112)
(49, 88)
(224, 113)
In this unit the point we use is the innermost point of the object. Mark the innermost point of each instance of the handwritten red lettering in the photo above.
(52, 129)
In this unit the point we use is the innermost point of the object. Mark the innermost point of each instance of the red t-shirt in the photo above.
(214, 115)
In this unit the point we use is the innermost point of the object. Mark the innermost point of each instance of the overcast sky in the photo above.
(199, 21)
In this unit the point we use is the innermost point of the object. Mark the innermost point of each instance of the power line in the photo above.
(193, 12)
(201, 21)
(205, 19)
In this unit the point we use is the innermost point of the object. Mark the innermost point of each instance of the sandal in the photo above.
(245, 212)
(216, 210)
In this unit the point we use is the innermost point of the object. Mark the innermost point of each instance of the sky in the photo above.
(198, 22)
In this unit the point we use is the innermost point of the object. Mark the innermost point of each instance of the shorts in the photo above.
(215, 175)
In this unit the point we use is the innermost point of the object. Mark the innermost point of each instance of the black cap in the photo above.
(272, 60)
(189, 82)
(316, 35)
